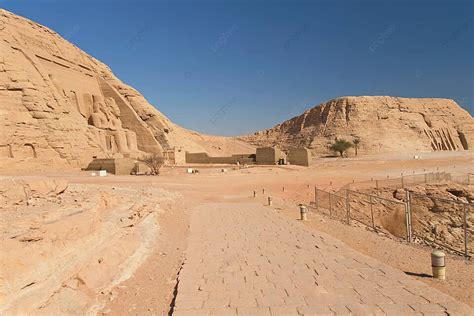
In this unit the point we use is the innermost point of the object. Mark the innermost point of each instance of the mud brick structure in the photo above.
(300, 156)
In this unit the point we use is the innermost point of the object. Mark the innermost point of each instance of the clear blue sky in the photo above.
(233, 67)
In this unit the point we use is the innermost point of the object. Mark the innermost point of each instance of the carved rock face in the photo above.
(53, 104)
(383, 124)
(70, 107)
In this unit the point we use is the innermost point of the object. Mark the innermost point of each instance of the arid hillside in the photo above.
(383, 124)
(60, 106)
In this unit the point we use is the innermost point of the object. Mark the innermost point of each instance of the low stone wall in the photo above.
(204, 158)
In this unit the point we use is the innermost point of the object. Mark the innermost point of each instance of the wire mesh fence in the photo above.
(331, 204)
(443, 222)
(466, 179)
(379, 213)
(404, 180)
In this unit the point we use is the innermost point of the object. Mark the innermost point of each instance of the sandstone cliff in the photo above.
(60, 106)
(383, 125)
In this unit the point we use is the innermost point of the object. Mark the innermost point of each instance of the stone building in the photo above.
(270, 156)
(175, 156)
(117, 166)
(300, 156)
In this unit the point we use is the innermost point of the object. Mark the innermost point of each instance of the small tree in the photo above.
(341, 146)
(154, 162)
(356, 142)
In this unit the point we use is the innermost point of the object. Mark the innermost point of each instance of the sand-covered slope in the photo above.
(383, 124)
(60, 106)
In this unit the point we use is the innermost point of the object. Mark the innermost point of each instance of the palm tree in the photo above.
(356, 142)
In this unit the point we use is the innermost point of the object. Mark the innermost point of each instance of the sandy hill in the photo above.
(383, 124)
(61, 106)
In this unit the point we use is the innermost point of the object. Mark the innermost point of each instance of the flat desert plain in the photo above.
(199, 244)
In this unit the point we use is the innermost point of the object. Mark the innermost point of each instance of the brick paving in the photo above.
(246, 259)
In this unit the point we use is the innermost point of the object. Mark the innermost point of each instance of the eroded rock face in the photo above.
(383, 124)
(437, 212)
(61, 106)
(67, 246)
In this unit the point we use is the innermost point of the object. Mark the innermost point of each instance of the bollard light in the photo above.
(263, 191)
(269, 201)
(303, 212)
(283, 189)
(438, 264)
(254, 193)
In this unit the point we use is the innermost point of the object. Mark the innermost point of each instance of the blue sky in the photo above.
(234, 67)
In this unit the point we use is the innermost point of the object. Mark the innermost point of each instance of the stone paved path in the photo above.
(245, 259)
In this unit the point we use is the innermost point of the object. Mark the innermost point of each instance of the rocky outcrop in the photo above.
(60, 106)
(20, 191)
(383, 124)
(65, 247)
(437, 213)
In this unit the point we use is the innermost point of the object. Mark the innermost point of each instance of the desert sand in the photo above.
(116, 244)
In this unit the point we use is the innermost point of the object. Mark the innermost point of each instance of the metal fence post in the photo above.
(465, 228)
(316, 198)
(408, 215)
(330, 206)
(377, 184)
(426, 180)
(348, 207)
(372, 212)
(401, 180)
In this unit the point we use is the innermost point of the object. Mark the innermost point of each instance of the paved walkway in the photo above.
(245, 259)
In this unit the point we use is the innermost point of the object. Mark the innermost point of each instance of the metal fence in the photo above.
(403, 181)
(379, 213)
(418, 216)
(331, 204)
(443, 222)
(462, 179)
